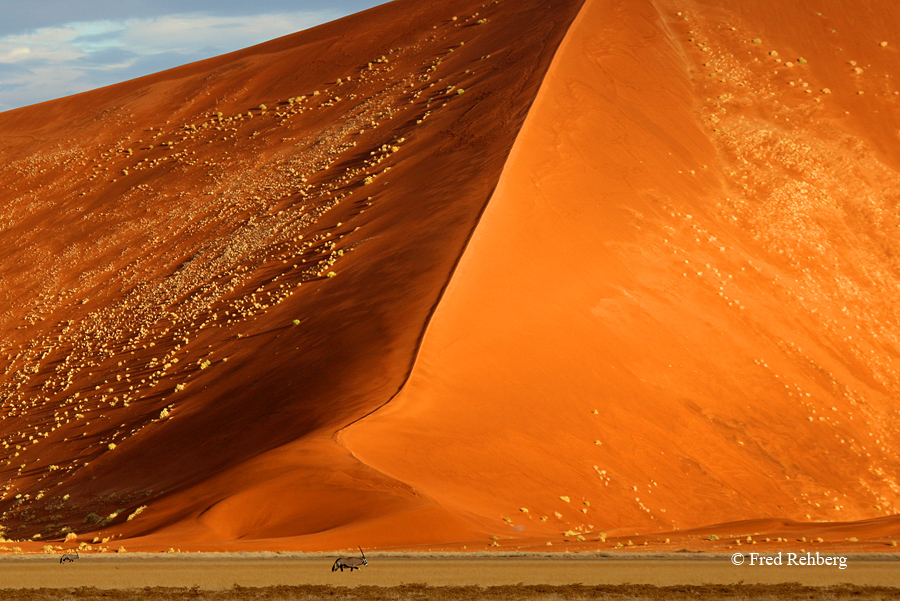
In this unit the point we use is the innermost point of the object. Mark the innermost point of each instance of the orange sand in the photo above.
(646, 330)
(667, 301)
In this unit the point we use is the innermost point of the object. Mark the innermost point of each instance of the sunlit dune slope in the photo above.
(210, 270)
(680, 306)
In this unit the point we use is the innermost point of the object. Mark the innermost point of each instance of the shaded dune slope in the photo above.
(212, 269)
(681, 304)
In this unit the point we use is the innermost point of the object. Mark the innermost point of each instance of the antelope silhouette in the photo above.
(351, 563)
(68, 557)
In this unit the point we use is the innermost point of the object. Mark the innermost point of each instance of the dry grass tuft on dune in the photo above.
(469, 275)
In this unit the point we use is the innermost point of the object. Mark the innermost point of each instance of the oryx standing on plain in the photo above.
(69, 557)
(352, 563)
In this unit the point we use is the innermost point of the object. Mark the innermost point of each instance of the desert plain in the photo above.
(427, 575)
(572, 277)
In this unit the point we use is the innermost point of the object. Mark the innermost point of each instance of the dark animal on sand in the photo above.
(352, 563)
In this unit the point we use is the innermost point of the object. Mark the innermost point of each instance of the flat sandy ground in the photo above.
(286, 576)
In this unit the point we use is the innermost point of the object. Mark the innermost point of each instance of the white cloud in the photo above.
(13, 54)
(185, 33)
(51, 62)
(44, 44)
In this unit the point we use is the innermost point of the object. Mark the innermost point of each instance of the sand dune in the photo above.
(679, 306)
(159, 348)
(325, 292)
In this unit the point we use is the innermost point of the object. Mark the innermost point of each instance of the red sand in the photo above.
(677, 308)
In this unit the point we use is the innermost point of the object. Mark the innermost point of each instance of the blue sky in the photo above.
(54, 48)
